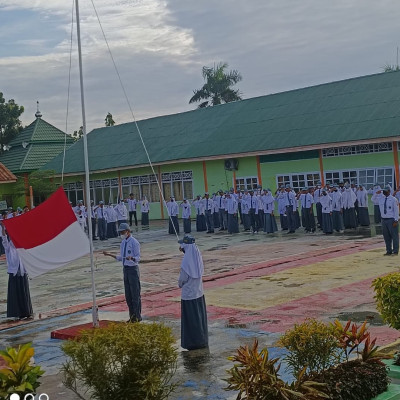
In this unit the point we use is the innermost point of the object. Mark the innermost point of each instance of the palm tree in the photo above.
(391, 68)
(217, 88)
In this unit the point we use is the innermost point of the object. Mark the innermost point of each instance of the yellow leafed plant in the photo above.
(19, 375)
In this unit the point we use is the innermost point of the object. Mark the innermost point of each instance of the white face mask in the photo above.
(123, 236)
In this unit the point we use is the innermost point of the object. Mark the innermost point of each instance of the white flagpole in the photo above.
(87, 184)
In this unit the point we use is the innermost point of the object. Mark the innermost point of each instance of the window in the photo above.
(366, 177)
(357, 149)
(177, 184)
(250, 182)
(298, 181)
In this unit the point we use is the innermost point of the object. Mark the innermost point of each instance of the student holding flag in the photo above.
(19, 304)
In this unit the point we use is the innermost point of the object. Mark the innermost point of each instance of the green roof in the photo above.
(362, 108)
(36, 145)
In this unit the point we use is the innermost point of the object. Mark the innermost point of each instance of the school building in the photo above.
(340, 131)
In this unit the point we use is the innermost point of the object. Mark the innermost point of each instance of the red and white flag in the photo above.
(49, 236)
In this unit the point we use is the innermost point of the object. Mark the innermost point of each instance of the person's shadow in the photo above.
(196, 361)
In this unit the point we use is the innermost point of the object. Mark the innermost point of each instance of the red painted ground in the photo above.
(324, 305)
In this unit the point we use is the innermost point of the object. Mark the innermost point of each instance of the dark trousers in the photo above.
(253, 219)
(222, 220)
(318, 206)
(209, 221)
(132, 213)
(102, 228)
(390, 235)
(132, 292)
(291, 218)
(93, 228)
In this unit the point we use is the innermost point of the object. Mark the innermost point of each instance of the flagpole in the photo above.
(87, 184)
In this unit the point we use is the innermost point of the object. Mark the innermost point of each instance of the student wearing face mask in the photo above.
(130, 256)
(326, 203)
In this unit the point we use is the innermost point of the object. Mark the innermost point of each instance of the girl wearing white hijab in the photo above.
(19, 304)
(194, 329)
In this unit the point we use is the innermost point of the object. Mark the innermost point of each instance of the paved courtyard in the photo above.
(255, 286)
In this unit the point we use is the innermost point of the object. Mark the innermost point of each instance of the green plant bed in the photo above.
(394, 370)
(354, 380)
(393, 393)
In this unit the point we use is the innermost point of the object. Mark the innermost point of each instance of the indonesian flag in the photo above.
(49, 236)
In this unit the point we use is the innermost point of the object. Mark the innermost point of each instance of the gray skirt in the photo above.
(18, 298)
(194, 328)
(363, 216)
(187, 225)
(233, 223)
(270, 223)
(349, 218)
(145, 219)
(327, 224)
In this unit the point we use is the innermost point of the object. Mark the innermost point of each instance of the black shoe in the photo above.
(395, 254)
(387, 254)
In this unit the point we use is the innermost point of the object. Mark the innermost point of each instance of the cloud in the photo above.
(161, 46)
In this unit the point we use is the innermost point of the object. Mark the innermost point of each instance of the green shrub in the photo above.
(387, 296)
(122, 361)
(256, 377)
(354, 380)
(311, 345)
(19, 376)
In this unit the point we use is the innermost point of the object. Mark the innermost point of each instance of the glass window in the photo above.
(145, 189)
(177, 190)
(167, 191)
(244, 183)
(188, 190)
(154, 192)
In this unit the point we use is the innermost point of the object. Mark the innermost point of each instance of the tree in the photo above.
(109, 120)
(217, 89)
(78, 134)
(391, 68)
(10, 124)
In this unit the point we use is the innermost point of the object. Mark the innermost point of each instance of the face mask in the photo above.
(123, 236)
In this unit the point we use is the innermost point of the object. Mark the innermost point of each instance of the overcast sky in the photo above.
(160, 47)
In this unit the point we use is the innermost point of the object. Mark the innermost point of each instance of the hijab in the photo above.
(192, 262)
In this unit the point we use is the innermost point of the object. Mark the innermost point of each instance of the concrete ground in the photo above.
(255, 286)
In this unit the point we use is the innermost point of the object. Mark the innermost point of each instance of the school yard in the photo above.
(256, 285)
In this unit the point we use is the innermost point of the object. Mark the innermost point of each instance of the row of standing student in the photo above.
(107, 218)
(341, 207)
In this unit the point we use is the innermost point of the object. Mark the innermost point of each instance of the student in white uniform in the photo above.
(362, 199)
(19, 305)
(337, 209)
(111, 221)
(194, 328)
(122, 212)
(209, 210)
(186, 213)
(129, 255)
(173, 212)
(268, 202)
(326, 204)
(389, 208)
(144, 210)
(201, 225)
(101, 221)
(349, 214)
(132, 204)
(232, 211)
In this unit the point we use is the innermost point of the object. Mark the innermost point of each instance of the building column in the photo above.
(161, 196)
(321, 168)
(396, 163)
(259, 170)
(205, 177)
(120, 186)
(234, 181)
